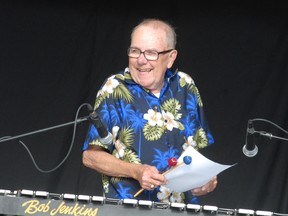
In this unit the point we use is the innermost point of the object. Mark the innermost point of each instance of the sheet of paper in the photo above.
(200, 171)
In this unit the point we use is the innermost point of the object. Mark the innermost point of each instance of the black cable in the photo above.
(265, 120)
(70, 148)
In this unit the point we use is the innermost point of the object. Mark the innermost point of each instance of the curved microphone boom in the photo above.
(250, 149)
(105, 136)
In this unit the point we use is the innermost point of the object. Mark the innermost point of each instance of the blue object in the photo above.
(187, 159)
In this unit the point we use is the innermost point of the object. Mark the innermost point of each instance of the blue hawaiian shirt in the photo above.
(148, 129)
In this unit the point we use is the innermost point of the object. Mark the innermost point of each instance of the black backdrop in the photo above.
(55, 54)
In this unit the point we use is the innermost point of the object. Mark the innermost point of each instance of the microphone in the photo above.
(250, 149)
(105, 136)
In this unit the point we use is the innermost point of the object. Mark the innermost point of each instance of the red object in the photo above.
(172, 161)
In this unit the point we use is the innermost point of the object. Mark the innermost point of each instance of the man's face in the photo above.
(150, 73)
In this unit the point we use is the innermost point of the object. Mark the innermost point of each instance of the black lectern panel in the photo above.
(26, 202)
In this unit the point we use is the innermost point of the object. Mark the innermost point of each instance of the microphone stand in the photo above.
(75, 122)
(269, 135)
(45, 129)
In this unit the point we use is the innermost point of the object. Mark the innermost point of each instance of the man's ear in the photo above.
(172, 58)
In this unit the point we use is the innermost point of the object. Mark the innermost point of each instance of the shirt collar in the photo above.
(168, 75)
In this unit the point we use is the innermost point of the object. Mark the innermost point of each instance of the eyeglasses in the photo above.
(151, 55)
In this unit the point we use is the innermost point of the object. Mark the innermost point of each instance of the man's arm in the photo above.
(98, 159)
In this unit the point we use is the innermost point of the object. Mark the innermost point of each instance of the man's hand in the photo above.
(207, 188)
(149, 177)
